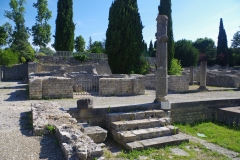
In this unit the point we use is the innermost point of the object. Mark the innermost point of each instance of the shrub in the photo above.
(41, 54)
(81, 57)
(176, 67)
(8, 57)
(23, 60)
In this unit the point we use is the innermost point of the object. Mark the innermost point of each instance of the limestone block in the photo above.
(140, 115)
(173, 129)
(128, 136)
(85, 103)
(113, 117)
(97, 134)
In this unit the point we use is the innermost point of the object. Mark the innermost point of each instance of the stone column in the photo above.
(191, 77)
(161, 59)
(203, 75)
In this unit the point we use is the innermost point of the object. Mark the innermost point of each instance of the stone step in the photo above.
(156, 142)
(140, 134)
(139, 124)
(113, 117)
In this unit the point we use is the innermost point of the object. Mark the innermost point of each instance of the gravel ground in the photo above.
(16, 140)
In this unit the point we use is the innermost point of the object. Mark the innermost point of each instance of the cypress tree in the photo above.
(64, 35)
(124, 40)
(165, 9)
(150, 50)
(222, 47)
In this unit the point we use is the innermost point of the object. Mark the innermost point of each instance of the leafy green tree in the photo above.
(176, 68)
(222, 47)
(150, 49)
(165, 9)
(64, 35)
(41, 31)
(124, 40)
(236, 40)
(186, 53)
(89, 44)
(207, 49)
(20, 34)
(3, 36)
(97, 47)
(79, 44)
(8, 57)
(8, 28)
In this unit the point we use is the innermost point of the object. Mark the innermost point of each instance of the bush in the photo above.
(8, 57)
(176, 67)
(81, 57)
(23, 60)
(41, 54)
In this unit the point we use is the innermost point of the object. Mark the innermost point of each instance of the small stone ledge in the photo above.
(74, 143)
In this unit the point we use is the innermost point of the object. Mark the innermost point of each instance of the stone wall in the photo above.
(121, 86)
(222, 80)
(178, 83)
(50, 87)
(188, 112)
(16, 72)
(175, 83)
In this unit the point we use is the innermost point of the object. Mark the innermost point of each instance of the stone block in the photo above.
(127, 136)
(97, 134)
(139, 115)
(113, 117)
(85, 103)
(173, 129)
(159, 113)
(149, 114)
(127, 116)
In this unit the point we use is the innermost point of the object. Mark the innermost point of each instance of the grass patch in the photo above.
(225, 136)
(194, 150)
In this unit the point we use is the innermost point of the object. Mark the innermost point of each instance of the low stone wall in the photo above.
(175, 83)
(121, 86)
(74, 143)
(223, 80)
(16, 72)
(188, 112)
(178, 83)
(229, 116)
(50, 87)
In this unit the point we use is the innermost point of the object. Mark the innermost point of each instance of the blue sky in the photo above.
(192, 19)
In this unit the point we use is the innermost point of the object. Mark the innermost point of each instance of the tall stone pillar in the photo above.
(161, 59)
(203, 75)
(191, 77)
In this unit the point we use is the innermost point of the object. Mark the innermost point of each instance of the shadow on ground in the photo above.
(18, 95)
(50, 147)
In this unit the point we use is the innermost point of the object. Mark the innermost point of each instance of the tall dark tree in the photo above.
(236, 40)
(79, 44)
(150, 49)
(3, 36)
(222, 47)
(124, 40)
(165, 9)
(64, 35)
(41, 31)
(89, 44)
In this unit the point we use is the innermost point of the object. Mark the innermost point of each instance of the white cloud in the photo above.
(97, 34)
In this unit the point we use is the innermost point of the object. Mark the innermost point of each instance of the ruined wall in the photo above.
(178, 83)
(16, 72)
(188, 112)
(222, 80)
(121, 86)
(50, 87)
(175, 83)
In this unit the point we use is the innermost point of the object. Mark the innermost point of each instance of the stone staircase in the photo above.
(143, 129)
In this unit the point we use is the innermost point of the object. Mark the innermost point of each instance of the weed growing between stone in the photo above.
(50, 129)
(218, 133)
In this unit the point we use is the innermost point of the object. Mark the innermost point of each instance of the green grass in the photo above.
(225, 136)
(195, 151)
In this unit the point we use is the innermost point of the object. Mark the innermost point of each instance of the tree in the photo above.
(64, 35)
(41, 31)
(90, 43)
(47, 51)
(150, 49)
(79, 44)
(20, 34)
(236, 40)
(207, 49)
(186, 53)
(165, 9)
(222, 48)
(124, 40)
(3, 36)
(8, 57)
(97, 47)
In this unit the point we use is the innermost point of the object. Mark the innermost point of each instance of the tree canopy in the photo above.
(186, 53)
(41, 31)
(64, 34)
(236, 40)
(124, 40)
(79, 44)
(222, 47)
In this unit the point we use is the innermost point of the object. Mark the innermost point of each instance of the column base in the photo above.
(202, 88)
